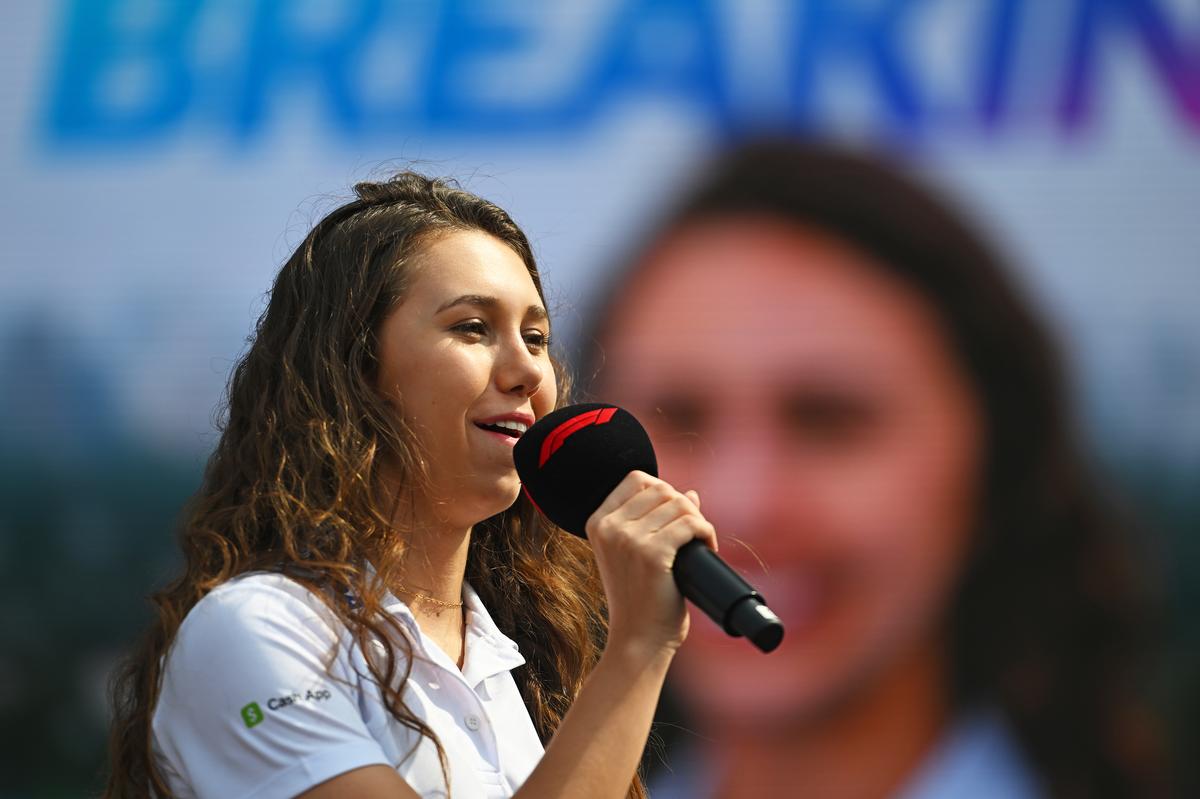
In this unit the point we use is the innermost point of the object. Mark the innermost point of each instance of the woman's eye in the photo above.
(537, 339)
(681, 413)
(829, 417)
(473, 328)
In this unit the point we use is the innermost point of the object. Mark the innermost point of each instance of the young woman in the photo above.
(847, 374)
(368, 607)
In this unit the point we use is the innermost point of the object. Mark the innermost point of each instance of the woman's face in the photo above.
(812, 401)
(467, 347)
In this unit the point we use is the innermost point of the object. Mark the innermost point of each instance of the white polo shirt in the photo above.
(264, 695)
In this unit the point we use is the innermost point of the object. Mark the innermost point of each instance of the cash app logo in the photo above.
(252, 714)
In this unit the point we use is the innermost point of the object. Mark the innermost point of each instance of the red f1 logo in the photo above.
(573, 425)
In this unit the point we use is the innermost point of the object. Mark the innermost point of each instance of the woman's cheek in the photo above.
(875, 564)
(909, 531)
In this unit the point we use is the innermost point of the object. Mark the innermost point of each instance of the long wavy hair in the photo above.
(296, 483)
(1053, 620)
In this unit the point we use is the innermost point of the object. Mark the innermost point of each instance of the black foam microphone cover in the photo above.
(570, 460)
(574, 457)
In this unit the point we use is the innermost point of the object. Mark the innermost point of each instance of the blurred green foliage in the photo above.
(82, 542)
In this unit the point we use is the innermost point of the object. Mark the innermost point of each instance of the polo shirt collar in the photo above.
(488, 651)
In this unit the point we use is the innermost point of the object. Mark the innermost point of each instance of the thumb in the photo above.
(693, 496)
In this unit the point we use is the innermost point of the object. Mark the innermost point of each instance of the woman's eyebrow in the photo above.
(535, 312)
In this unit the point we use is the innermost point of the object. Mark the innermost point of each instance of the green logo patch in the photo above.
(252, 714)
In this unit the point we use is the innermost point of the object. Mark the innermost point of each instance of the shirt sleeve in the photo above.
(258, 697)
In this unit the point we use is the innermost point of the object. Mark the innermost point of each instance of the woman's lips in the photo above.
(505, 427)
(507, 439)
(796, 597)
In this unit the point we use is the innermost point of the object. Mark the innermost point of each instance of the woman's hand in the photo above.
(635, 534)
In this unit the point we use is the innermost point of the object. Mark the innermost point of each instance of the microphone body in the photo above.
(571, 459)
(714, 587)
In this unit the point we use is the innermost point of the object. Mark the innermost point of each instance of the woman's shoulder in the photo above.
(261, 588)
(256, 605)
(261, 693)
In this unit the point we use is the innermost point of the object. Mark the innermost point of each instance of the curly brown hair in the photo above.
(295, 482)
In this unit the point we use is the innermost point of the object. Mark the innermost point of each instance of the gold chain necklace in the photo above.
(426, 598)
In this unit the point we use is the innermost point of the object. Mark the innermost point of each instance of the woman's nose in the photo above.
(518, 371)
(747, 487)
(734, 481)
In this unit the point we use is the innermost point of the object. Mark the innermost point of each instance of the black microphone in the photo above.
(573, 458)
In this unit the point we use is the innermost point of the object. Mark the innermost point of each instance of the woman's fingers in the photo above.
(685, 528)
(634, 497)
(642, 504)
(667, 511)
(633, 483)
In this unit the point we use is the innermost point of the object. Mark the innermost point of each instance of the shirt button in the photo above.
(472, 722)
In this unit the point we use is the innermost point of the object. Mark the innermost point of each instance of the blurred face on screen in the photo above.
(812, 401)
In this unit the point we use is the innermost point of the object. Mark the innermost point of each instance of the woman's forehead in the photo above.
(761, 274)
(472, 263)
(758, 298)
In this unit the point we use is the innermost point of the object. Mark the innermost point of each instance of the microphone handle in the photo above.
(724, 596)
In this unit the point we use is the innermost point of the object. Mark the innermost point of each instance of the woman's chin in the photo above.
(493, 497)
(726, 681)
(751, 693)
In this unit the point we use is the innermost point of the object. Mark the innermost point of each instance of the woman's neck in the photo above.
(435, 564)
(435, 559)
(431, 581)
(866, 748)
